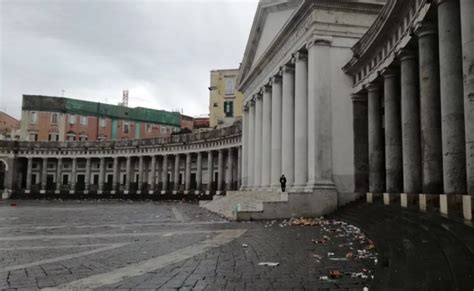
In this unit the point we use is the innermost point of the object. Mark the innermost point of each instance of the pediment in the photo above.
(270, 19)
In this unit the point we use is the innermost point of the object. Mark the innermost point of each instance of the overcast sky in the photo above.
(161, 51)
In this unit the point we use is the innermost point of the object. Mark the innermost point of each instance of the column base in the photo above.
(174, 192)
(427, 201)
(151, 192)
(125, 192)
(57, 191)
(388, 197)
(86, 192)
(403, 200)
(197, 192)
(208, 192)
(218, 192)
(467, 206)
(72, 191)
(186, 192)
(139, 192)
(113, 192)
(42, 191)
(447, 201)
(27, 191)
(163, 192)
(99, 192)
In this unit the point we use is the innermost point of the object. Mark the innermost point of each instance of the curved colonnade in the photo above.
(412, 104)
(163, 167)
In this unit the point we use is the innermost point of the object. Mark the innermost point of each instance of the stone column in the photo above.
(128, 174)
(87, 178)
(210, 168)
(164, 175)
(452, 102)
(410, 114)
(198, 173)
(266, 137)
(288, 124)
(393, 133)
(361, 143)
(467, 30)
(152, 176)
(176, 174)
(376, 137)
(319, 113)
(228, 173)
(116, 176)
(73, 176)
(187, 174)
(101, 175)
(258, 141)
(251, 147)
(243, 171)
(29, 168)
(276, 132)
(44, 175)
(58, 175)
(301, 121)
(140, 174)
(239, 167)
(430, 109)
(220, 171)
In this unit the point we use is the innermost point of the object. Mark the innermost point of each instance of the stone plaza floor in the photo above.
(123, 245)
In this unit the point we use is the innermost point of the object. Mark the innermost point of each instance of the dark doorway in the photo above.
(65, 179)
(50, 182)
(80, 185)
(193, 181)
(2, 175)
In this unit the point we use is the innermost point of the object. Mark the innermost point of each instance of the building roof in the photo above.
(75, 106)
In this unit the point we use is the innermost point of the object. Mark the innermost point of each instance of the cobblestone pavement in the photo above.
(108, 245)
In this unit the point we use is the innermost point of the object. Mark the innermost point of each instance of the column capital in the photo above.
(287, 69)
(373, 86)
(275, 79)
(389, 72)
(406, 54)
(358, 97)
(266, 88)
(258, 96)
(299, 56)
(320, 40)
(423, 28)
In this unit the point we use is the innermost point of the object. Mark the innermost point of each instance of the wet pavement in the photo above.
(122, 245)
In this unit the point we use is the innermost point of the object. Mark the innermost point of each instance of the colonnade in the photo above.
(418, 114)
(165, 173)
(285, 124)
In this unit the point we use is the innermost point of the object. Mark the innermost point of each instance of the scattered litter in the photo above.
(335, 274)
(269, 264)
(360, 275)
(317, 256)
(338, 259)
(323, 278)
(245, 245)
(349, 255)
(330, 254)
(305, 221)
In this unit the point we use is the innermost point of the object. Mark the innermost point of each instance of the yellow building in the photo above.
(225, 102)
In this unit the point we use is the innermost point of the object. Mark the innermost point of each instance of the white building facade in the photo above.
(297, 118)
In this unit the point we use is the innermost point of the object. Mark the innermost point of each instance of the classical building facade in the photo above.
(46, 118)
(297, 120)
(413, 106)
(225, 101)
(188, 164)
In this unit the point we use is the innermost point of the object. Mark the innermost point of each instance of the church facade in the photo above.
(297, 118)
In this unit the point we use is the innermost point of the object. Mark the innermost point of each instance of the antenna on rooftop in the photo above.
(125, 98)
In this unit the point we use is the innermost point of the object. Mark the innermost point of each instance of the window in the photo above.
(53, 137)
(33, 117)
(229, 108)
(102, 137)
(54, 118)
(229, 86)
(72, 119)
(71, 137)
(148, 127)
(102, 122)
(126, 126)
(83, 137)
(33, 136)
(83, 120)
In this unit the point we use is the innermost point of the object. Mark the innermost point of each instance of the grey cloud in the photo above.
(162, 51)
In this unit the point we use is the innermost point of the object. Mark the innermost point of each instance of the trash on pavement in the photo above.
(269, 264)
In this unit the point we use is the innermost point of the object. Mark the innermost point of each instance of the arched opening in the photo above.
(3, 170)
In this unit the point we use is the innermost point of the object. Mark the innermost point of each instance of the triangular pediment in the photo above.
(270, 19)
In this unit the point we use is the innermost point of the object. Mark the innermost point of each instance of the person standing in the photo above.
(283, 183)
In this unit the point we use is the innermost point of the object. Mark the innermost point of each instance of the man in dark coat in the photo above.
(283, 183)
